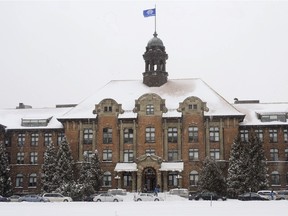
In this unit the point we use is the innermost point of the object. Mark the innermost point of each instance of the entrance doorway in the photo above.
(149, 179)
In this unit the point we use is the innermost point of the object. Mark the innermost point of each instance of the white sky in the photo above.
(59, 52)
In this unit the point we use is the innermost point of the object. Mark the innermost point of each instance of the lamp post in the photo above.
(117, 178)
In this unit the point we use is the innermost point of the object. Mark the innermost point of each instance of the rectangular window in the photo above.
(47, 139)
(172, 179)
(193, 134)
(19, 180)
(34, 139)
(107, 179)
(285, 131)
(215, 154)
(21, 139)
(274, 154)
(273, 135)
(20, 158)
(244, 135)
(150, 151)
(150, 134)
(192, 106)
(214, 134)
(172, 135)
(87, 136)
(60, 137)
(193, 178)
(128, 156)
(172, 155)
(259, 134)
(89, 155)
(193, 154)
(107, 155)
(150, 109)
(107, 135)
(33, 180)
(286, 154)
(128, 135)
(127, 180)
(108, 109)
(33, 158)
(275, 178)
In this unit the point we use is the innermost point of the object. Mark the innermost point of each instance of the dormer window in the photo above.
(270, 117)
(35, 122)
(192, 106)
(108, 109)
(150, 109)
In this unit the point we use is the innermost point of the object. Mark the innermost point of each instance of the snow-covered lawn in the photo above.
(173, 205)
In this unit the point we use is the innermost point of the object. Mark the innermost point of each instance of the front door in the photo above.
(149, 179)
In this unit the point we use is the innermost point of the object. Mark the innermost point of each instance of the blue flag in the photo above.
(149, 12)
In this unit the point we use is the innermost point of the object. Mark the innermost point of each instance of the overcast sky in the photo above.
(60, 52)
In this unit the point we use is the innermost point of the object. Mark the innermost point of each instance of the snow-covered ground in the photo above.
(173, 205)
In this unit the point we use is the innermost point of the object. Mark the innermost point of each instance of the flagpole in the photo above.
(155, 18)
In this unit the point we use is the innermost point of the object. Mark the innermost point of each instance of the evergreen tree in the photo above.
(49, 170)
(64, 169)
(5, 180)
(211, 178)
(96, 172)
(257, 167)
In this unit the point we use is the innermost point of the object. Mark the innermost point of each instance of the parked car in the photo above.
(147, 197)
(118, 191)
(251, 196)
(183, 192)
(209, 196)
(57, 197)
(14, 198)
(33, 198)
(192, 195)
(4, 199)
(268, 194)
(107, 197)
(283, 194)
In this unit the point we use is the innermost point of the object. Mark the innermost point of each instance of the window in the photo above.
(87, 136)
(215, 154)
(244, 136)
(150, 134)
(34, 139)
(107, 135)
(172, 155)
(33, 180)
(193, 134)
(127, 179)
(286, 178)
(172, 179)
(285, 131)
(149, 109)
(273, 135)
(21, 139)
(33, 158)
(172, 135)
(47, 139)
(60, 137)
(150, 151)
(286, 154)
(107, 179)
(128, 135)
(274, 154)
(108, 109)
(193, 154)
(275, 178)
(192, 106)
(20, 158)
(214, 134)
(88, 155)
(107, 155)
(193, 178)
(128, 156)
(19, 180)
(259, 134)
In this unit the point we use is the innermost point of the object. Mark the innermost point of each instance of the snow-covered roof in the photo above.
(13, 118)
(172, 166)
(253, 110)
(175, 91)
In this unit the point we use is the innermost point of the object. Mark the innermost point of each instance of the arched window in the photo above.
(19, 180)
(107, 179)
(275, 178)
(193, 177)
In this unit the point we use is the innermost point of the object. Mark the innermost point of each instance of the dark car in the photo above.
(251, 196)
(4, 199)
(209, 196)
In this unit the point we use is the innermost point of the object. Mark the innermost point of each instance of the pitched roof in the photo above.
(125, 92)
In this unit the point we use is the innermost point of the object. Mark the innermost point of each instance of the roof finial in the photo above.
(155, 34)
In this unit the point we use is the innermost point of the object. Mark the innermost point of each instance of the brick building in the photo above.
(148, 132)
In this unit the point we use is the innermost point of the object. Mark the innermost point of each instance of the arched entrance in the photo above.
(149, 179)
